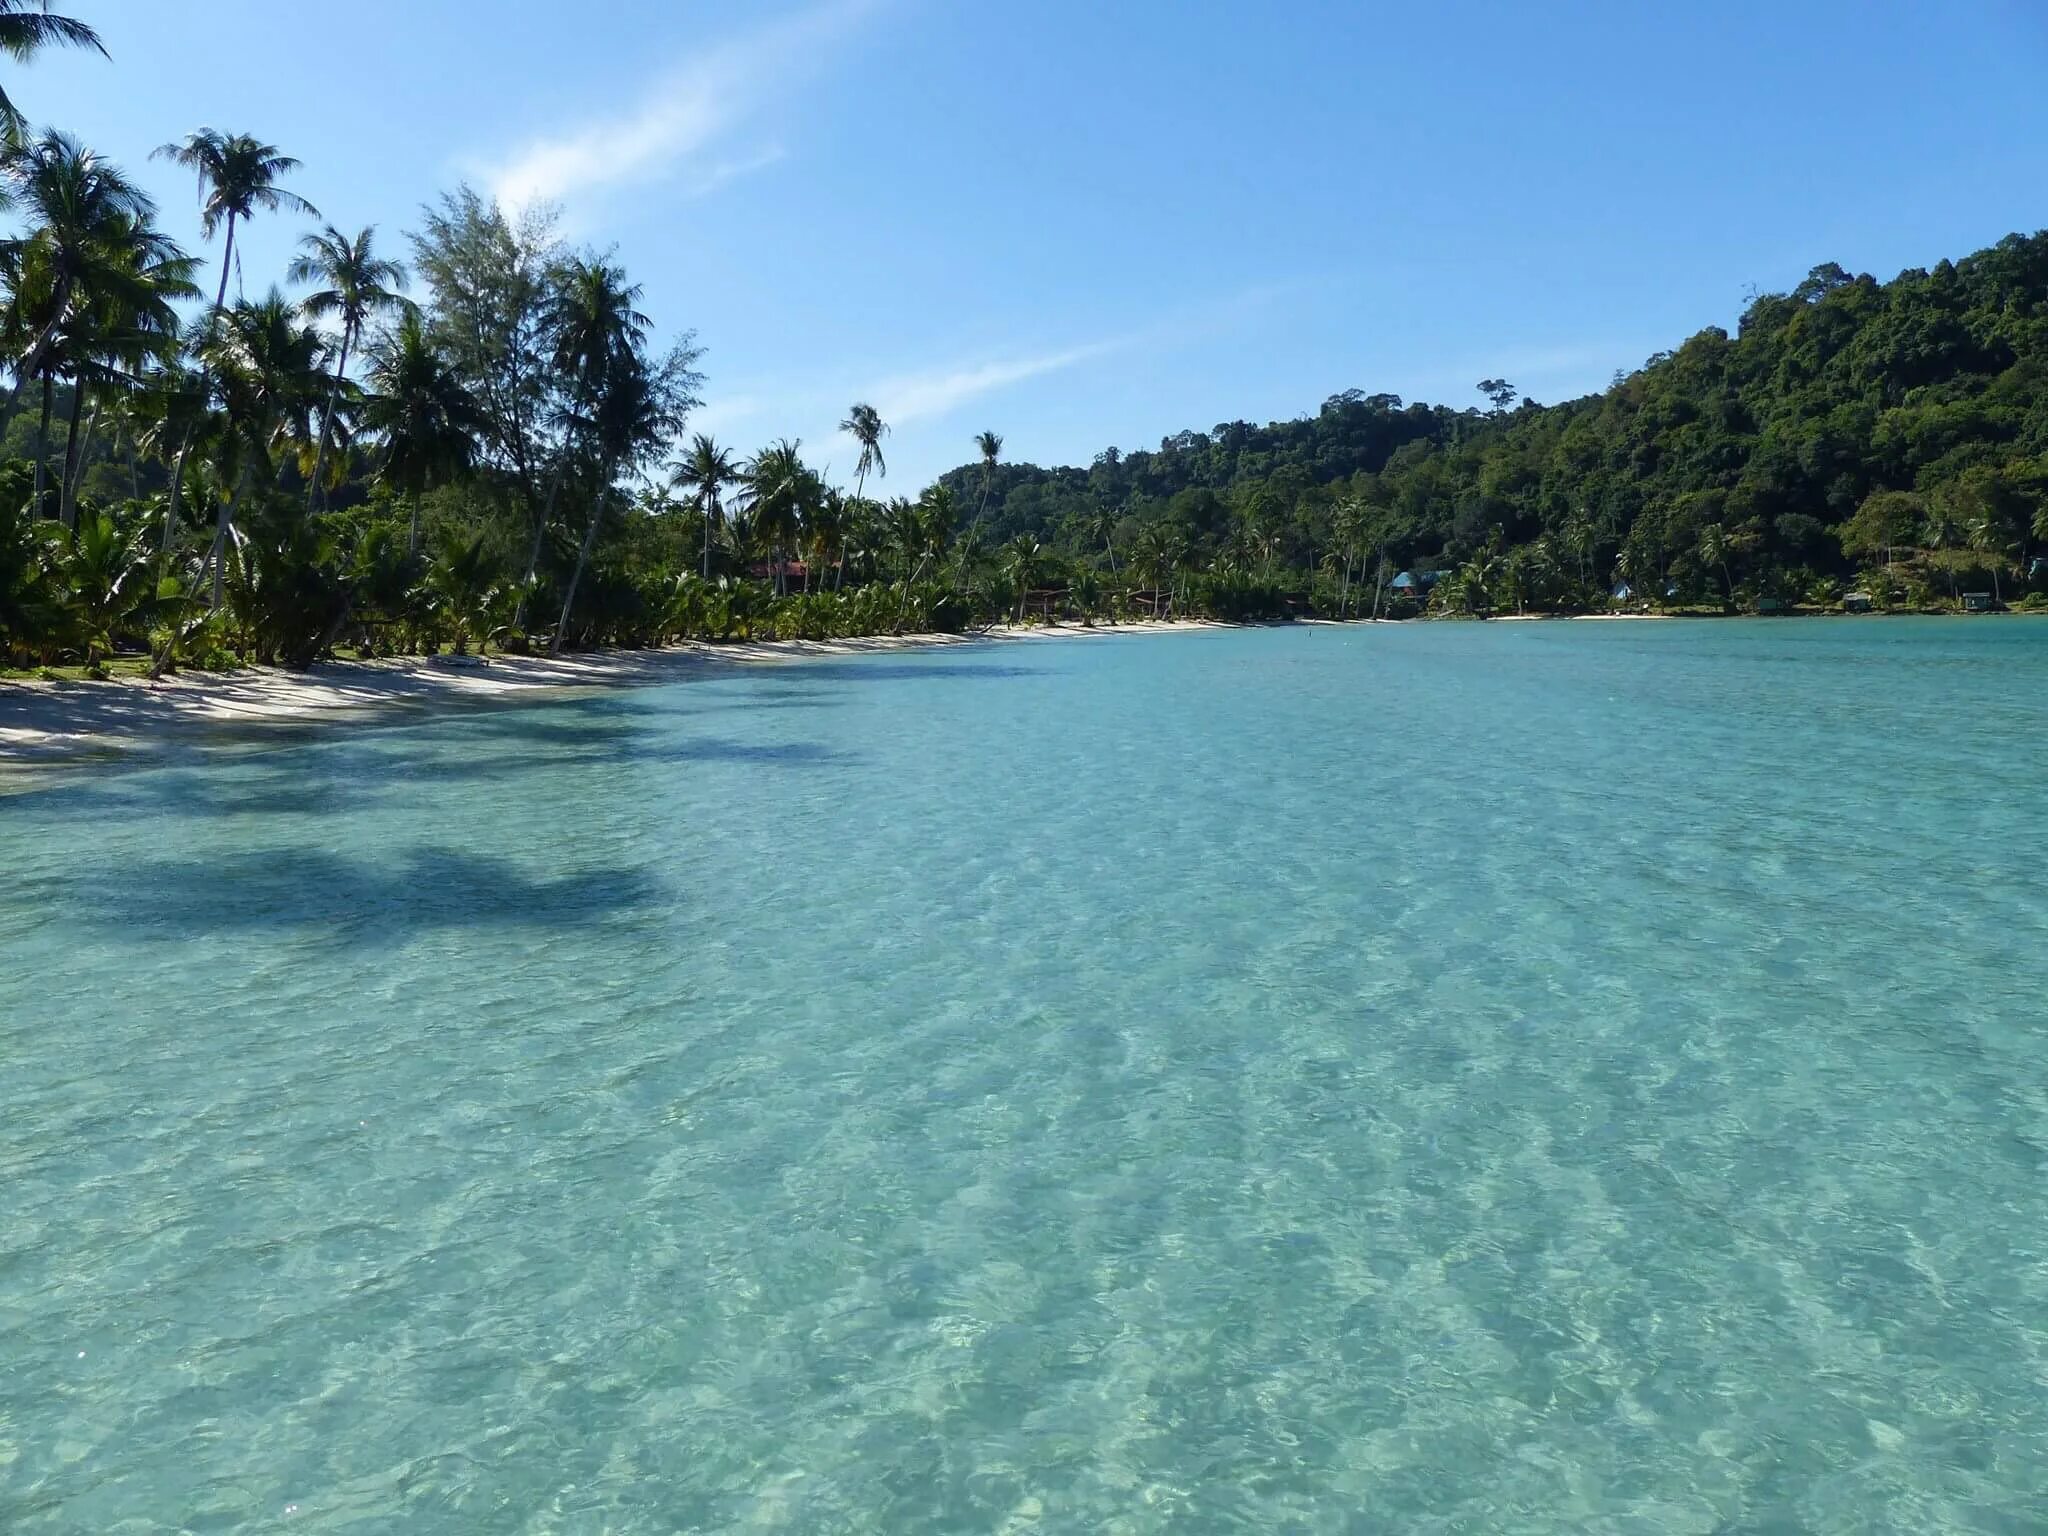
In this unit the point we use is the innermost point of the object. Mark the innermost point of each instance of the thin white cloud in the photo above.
(918, 396)
(677, 129)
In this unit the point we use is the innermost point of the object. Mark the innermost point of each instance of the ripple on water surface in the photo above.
(1538, 1077)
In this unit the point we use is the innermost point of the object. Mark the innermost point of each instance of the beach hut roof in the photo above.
(1404, 581)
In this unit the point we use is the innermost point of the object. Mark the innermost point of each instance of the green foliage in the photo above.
(217, 486)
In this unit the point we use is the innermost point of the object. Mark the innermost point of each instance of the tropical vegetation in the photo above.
(472, 439)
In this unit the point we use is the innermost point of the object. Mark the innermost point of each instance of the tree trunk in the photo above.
(43, 442)
(227, 262)
(218, 554)
(582, 559)
(706, 511)
(67, 505)
(313, 490)
(412, 543)
(540, 533)
(171, 502)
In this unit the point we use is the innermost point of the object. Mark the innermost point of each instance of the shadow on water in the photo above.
(372, 774)
(348, 901)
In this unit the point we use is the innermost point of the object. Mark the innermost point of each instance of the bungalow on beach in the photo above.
(1978, 602)
(1856, 602)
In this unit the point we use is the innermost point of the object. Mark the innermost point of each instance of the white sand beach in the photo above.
(63, 722)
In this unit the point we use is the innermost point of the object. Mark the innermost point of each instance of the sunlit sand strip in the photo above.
(60, 722)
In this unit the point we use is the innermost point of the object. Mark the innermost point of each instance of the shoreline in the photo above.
(66, 724)
(57, 725)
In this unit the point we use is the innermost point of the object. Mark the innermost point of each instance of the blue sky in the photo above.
(1083, 223)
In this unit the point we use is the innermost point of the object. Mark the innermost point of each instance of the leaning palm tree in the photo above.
(596, 331)
(864, 424)
(358, 285)
(238, 174)
(26, 29)
(704, 473)
(642, 403)
(428, 421)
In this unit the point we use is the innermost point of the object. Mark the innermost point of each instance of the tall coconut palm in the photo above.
(991, 446)
(426, 418)
(704, 473)
(641, 404)
(238, 174)
(128, 330)
(864, 424)
(357, 286)
(264, 363)
(596, 330)
(26, 29)
(779, 488)
(87, 249)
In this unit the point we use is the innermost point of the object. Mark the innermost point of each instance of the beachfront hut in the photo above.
(1623, 592)
(1770, 605)
(1978, 602)
(1048, 603)
(1856, 602)
(1407, 584)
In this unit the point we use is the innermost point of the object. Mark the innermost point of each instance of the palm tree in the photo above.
(265, 366)
(26, 29)
(864, 424)
(238, 174)
(596, 331)
(82, 215)
(779, 489)
(1714, 548)
(427, 420)
(640, 405)
(1157, 554)
(109, 576)
(463, 581)
(358, 285)
(991, 446)
(704, 473)
(1100, 523)
(1992, 537)
(128, 326)
(1020, 563)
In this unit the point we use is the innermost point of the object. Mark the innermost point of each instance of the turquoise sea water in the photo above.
(1546, 1077)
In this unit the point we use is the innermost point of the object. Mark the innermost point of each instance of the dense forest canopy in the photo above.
(1846, 419)
(468, 436)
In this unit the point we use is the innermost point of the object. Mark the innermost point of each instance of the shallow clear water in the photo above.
(1555, 1077)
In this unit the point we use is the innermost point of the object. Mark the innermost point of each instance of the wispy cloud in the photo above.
(914, 397)
(681, 127)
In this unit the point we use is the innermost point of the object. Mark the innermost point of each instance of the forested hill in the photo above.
(1750, 455)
